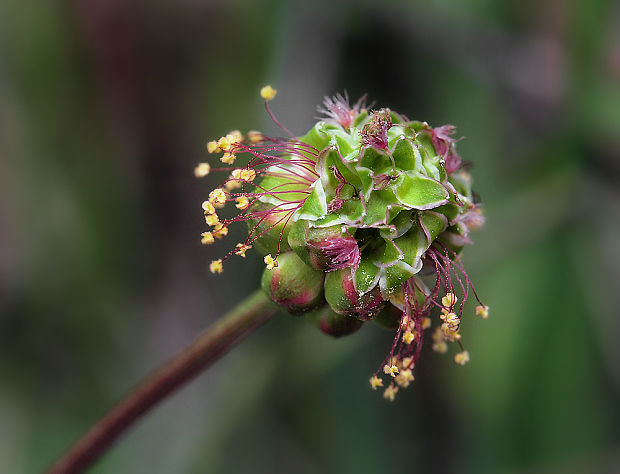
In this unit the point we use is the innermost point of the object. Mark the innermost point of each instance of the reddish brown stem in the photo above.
(200, 354)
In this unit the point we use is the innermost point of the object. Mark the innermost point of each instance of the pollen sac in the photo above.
(343, 298)
(293, 284)
(324, 248)
(334, 324)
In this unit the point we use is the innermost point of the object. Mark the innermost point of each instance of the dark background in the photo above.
(105, 109)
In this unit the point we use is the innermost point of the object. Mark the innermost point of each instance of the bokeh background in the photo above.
(106, 107)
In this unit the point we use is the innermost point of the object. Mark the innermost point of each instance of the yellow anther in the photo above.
(405, 322)
(207, 238)
(270, 262)
(236, 135)
(451, 319)
(390, 370)
(228, 158)
(236, 174)
(451, 323)
(242, 202)
(449, 329)
(426, 323)
(208, 208)
(449, 300)
(268, 93)
(375, 382)
(247, 175)
(226, 143)
(212, 147)
(404, 378)
(220, 231)
(408, 362)
(390, 392)
(202, 170)
(255, 137)
(231, 185)
(217, 197)
(242, 249)
(482, 311)
(212, 219)
(439, 343)
(462, 358)
(408, 337)
(216, 266)
(440, 347)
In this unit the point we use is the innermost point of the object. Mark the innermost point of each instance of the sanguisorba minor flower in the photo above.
(362, 218)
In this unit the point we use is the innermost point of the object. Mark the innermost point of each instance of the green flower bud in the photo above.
(343, 298)
(324, 248)
(293, 285)
(334, 324)
(389, 317)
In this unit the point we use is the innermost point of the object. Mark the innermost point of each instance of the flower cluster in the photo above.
(363, 218)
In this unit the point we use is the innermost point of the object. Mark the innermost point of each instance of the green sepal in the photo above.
(462, 184)
(361, 117)
(434, 222)
(416, 125)
(406, 155)
(366, 276)
(398, 226)
(376, 161)
(349, 214)
(417, 192)
(381, 207)
(317, 136)
(450, 210)
(329, 158)
(315, 205)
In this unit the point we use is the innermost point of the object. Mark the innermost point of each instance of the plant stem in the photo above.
(200, 354)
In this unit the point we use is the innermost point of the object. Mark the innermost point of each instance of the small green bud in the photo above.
(293, 284)
(324, 248)
(342, 297)
(334, 324)
(389, 317)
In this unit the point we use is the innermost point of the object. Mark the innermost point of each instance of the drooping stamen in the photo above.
(418, 304)
(292, 162)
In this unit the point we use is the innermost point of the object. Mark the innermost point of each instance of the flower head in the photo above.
(362, 218)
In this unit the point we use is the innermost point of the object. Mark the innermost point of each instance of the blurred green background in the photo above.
(106, 107)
